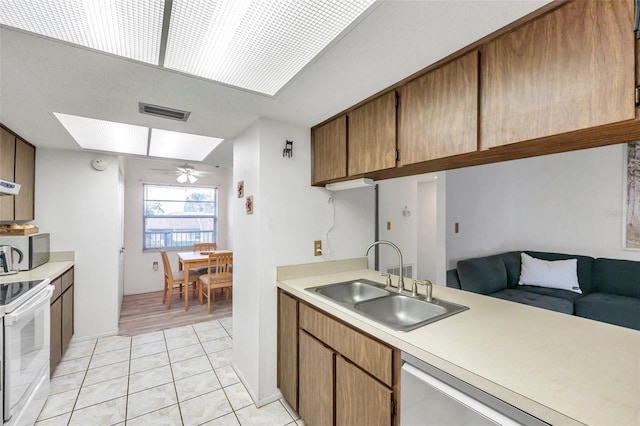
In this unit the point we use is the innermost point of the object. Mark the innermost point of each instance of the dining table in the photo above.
(191, 260)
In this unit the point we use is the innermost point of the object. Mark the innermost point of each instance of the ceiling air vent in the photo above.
(164, 112)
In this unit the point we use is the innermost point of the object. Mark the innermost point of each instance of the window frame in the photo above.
(144, 217)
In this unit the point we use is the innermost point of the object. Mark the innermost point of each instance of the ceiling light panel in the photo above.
(129, 28)
(183, 146)
(102, 135)
(258, 45)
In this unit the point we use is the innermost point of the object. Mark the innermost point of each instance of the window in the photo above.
(179, 216)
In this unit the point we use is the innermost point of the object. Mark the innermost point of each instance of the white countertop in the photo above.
(49, 270)
(560, 368)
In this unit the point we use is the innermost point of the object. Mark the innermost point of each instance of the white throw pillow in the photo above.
(561, 274)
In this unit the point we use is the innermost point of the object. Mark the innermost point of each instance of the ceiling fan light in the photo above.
(192, 178)
(182, 178)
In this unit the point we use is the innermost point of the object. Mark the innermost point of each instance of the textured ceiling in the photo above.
(39, 76)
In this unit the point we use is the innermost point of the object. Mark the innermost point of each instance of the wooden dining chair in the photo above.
(219, 276)
(175, 279)
(200, 247)
(204, 246)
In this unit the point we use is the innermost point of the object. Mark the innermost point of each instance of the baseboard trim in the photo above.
(259, 402)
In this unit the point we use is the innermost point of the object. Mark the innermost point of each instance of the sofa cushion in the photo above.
(571, 296)
(452, 278)
(585, 267)
(621, 277)
(482, 275)
(561, 274)
(511, 260)
(610, 308)
(533, 299)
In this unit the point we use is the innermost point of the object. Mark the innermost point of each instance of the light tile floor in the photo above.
(180, 376)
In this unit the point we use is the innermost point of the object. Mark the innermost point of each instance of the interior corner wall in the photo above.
(567, 203)
(289, 214)
(247, 258)
(78, 206)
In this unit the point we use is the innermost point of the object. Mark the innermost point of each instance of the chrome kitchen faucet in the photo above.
(401, 279)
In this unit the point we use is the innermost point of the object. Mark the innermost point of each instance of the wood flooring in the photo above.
(145, 313)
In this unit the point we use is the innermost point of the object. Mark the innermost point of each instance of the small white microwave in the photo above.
(34, 248)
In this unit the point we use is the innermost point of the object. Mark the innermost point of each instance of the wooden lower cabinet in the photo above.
(316, 365)
(56, 334)
(344, 377)
(288, 348)
(67, 318)
(360, 399)
(62, 321)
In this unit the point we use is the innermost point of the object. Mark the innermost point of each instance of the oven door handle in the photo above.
(31, 305)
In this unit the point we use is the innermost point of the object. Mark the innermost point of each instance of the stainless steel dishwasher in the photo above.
(430, 396)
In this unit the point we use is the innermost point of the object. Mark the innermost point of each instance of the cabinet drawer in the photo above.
(57, 290)
(67, 279)
(372, 356)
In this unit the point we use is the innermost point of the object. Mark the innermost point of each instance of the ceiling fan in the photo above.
(185, 172)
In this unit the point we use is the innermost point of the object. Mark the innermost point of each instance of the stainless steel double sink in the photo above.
(386, 306)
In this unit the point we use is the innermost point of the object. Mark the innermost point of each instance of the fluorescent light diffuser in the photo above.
(256, 45)
(349, 184)
(183, 146)
(129, 28)
(102, 135)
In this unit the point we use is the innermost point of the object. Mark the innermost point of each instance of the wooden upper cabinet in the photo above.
(571, 69)
(438, 112)
(7, 164)
(330, 150)
(372, 136)
(25, 170)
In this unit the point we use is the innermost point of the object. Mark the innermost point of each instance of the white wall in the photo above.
(420, 236)
(426, 213)
(139, 276)
(567, 203)
(288, 216)
(78, 206)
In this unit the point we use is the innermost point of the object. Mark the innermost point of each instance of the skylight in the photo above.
(100, 135)
(258, 45)
(182, 146)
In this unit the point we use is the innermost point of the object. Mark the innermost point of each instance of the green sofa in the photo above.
(610, 287)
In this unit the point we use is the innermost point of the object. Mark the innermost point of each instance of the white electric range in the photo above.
(25, 310)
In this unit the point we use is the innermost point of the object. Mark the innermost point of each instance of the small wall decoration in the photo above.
(631, 225)
(249, 204)
(288, 149)
(241, 189)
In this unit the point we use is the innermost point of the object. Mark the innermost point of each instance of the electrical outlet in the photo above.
(317, 248)
(155, 266)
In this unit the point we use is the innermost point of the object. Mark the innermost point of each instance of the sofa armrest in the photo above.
(452, 278)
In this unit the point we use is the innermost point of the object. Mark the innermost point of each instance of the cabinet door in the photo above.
(7, 165)
(360, 399)
(56, 334)
(372, 136)
(570, 69)
(67, 318)
(288, 348)
(438, 113)
(330, 150)
(315, 404)
(25, 170)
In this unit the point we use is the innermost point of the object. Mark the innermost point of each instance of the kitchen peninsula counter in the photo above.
(560, 368)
